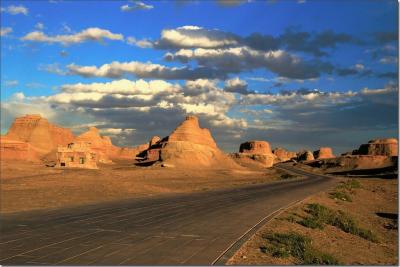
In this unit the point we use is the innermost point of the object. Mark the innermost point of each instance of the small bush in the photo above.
(290, 218)
(284, 245)
(321, 215)
(315, 257)
(341, 196)
(349, 185)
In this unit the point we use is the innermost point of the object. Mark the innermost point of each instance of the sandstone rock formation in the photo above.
(39, 133)
(259, 151)
(105, 149)
(154, 140)
(324, 153)
(255, 147)
(36, 138)
(17, 150)
(283, 155)
(382, 147)
(305, 156)
(188, 146)
(378, 153)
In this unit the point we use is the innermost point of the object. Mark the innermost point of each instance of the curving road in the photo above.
(188, 229)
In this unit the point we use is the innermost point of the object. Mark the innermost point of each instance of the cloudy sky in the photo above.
(299, 74)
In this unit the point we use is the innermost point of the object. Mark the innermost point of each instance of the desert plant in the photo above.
(292, 244)
(340, 195)
(321, 215)
(349, 184)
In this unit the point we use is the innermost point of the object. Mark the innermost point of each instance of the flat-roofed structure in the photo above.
(77, 155)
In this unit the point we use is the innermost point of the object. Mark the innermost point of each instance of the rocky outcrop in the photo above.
(39, 133)
(259, 151)
(189, 131)
(105, 149)
(188, 146)
(154, 140)
(255, 147)
(305, 156)
(324, 153)
(100, 144)
(283, 155)
(376, 154)
(17, 150)
(381, 147)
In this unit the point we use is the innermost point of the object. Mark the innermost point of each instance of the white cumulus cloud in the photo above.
(89, 34)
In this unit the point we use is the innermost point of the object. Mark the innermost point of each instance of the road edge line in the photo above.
(221, 259)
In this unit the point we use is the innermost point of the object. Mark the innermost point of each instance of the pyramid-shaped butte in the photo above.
(190, 131)
(39, 133)
(190, 146)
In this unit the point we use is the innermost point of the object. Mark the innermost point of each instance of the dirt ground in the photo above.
(28, 186)
(375, 196)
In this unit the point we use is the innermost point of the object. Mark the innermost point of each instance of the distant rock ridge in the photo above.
(383, 147)
(377, 153)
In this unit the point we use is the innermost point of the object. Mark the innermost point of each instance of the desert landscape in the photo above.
(199, 133)
(44, 167)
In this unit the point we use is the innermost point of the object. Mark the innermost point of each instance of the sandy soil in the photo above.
(375, 196)
(29, 186)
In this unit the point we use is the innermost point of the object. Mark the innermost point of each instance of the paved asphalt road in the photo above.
(189, 229)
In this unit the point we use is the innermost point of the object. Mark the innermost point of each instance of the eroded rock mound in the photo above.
(259, 151)
(17, 150)
(283, 155)
(324, 153)
(154, 140)
(189, 146)
(255, 147)
(376, 154)
(39, 133)
(305, 156)
(105, 149)
(382, 147)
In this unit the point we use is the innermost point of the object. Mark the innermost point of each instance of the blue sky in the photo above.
(300, 74)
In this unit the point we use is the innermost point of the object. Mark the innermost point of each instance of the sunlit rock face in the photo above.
(255, 147)
(305, 156)
(283, 155)
(383, 147)
(188, 145)
(105, 149)
(324, 153)
(17, 150)
(258, 151)
(39, 133)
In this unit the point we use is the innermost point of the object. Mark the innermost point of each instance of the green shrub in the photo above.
(340, 195)
(315, 257)
(290, 218)
(349, 184)
(283, 245)
(321, 215)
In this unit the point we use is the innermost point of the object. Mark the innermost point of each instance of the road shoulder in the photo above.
(371, 206)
